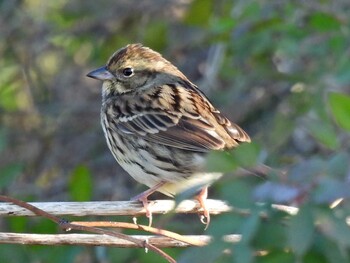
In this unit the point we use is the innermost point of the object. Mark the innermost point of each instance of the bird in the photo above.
(159, 126)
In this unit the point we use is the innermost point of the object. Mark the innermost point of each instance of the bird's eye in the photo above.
(127, 72)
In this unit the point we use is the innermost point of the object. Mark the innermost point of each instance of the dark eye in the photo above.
(127, 72)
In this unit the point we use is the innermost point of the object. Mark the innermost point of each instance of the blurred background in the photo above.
(281, 69)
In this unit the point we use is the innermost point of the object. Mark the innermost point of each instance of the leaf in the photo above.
(208, 253)
(218, 161)
(342, 75)
(246, 155)
(280, 131)
(156, 35)
(314, 256)
(237, 193)
(332, 252)
(80, 184)
(250, 227)
(306, 171)
(338, 165)
(199, 13)
(301, 231)
(324, 22)
(18, 224)
(329, 189)
(336, 228)
(324, 132)
(9, 173)
(277, 256)
(242, 253)
(3, 139)
(340, 108)
(269, 232)
(276, 192)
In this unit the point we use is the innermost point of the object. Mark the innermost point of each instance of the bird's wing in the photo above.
(175, 116)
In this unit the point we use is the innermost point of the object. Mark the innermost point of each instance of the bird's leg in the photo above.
(202, 197)
(143, 197)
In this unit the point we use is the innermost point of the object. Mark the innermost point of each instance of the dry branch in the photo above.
(15, 207)
(112, 208)
(102, 240)
(124, 208)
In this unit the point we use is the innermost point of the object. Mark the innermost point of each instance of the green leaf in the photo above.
(269, 232)
(340, 108)
(314, 256)
(280, 131)
(3, 139)
(156, 35)
(342, 75)
(199, 13)
(250, 227)
(237, 193)
(324, 133)
(332, 251)
(9, 173)
(329, 189)
(277, 256)
(242, 253)
(324, 22)
(336, 228)
(80, 184)
(301, 231)
(18, 224)
(338, 165)
(246, 155)
(218, 161)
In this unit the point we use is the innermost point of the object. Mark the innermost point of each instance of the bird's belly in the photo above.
(151, 163)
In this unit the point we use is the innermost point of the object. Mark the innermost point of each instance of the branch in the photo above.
(149, 229)
(113, 208)
(103, 240)
(68, 226)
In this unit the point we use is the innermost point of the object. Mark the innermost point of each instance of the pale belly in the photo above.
(150, 164)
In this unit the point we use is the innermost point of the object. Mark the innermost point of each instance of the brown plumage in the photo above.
(159, 125)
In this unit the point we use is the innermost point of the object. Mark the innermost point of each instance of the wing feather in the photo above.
(187, 120)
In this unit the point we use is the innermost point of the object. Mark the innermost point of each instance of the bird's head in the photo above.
(135, 67)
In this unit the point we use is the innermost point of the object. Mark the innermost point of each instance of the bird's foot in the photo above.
(143, 197)
(202, 197)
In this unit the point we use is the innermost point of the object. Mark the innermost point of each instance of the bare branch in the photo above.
(104, 240)
(110, 208)
(152, 230)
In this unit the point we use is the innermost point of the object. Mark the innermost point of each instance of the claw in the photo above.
(202, 197)
(143, 197)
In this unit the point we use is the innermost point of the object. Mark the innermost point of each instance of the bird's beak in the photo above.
(101, 74)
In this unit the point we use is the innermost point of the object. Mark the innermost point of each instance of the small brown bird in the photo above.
(159, 126)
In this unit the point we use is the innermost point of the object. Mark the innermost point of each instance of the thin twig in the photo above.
(153, 230)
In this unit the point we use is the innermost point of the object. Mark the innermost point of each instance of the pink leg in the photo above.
(143, 197)
(202, 197)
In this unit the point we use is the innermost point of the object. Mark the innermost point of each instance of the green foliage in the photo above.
(324, 132)
(199, 13)
(80, 184)
(324, 22)
(9, 87)
(301, 231)
(280, 70)
(340, 107)
(156, 35)
(9, 173)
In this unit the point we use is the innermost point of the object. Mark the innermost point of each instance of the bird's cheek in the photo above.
(140, 82)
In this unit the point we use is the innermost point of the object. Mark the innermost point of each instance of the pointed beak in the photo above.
(101, 74)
